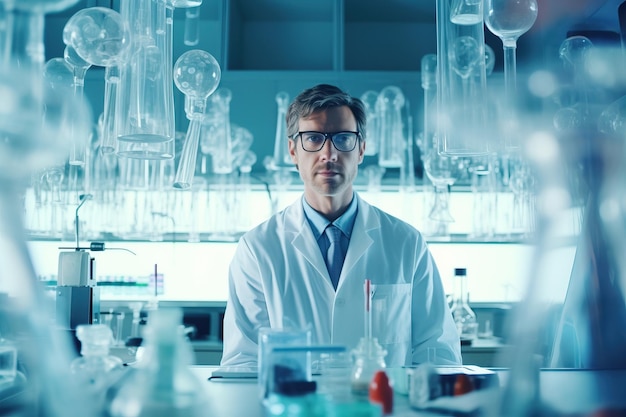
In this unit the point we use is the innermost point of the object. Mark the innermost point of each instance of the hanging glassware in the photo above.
(197, 75)
(145, 105)
(461, 86)
(508, 20)
(101, 37)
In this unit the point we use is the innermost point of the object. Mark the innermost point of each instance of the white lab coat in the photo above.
(278, 279)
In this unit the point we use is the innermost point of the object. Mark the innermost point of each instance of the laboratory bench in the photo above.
(563, 392)
(205, 330)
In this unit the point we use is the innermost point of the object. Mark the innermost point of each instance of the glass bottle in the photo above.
(96, 369)
(161, 384)
(464, 316)
(368, 357)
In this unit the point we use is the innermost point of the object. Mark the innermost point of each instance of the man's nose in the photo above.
(328, 151)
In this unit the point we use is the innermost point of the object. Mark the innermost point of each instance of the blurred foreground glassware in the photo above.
(461, 78)
(508, 20)
(96, 369)
(575, 323)
(197, 75)
(161, 383)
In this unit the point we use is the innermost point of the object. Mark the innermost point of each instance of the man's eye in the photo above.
(314, 138)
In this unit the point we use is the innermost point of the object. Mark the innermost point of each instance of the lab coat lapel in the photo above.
(365, 225)
(304, 242)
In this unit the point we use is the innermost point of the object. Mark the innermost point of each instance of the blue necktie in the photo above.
(334, 257)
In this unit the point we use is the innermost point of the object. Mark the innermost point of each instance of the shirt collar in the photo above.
(318, 222)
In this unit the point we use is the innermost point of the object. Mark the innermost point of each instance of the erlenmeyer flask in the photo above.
(145, 105)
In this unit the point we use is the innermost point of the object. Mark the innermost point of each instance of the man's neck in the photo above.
(331, 207)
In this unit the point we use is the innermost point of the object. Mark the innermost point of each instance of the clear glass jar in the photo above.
(368, 358)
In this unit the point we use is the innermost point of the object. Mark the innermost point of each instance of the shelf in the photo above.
(280, 35)
(392, 36)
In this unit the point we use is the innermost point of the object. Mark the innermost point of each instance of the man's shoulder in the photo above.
(386, 219)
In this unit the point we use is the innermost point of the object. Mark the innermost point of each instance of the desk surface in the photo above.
(240, 397)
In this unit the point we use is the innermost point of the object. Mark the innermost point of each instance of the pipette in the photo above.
(368, 308)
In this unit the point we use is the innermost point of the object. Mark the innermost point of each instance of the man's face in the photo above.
(328, 172)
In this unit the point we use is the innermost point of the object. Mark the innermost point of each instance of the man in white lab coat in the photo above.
(281, 277)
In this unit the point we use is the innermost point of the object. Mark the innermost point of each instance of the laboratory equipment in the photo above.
(101, 36)
(389, 106)
(282, 366)
(145, 103)
(79, 67)
(368, 356)
(464, 316)
(192, 24)
(461, 79)
(197, 75)
(369, 99)
(282, 158)
(96, 369)
(161, 383)
(77, 293)
(508, 20)
(222, 154)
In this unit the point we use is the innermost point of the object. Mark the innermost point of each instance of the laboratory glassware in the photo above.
(442, 170)
(222, 154)
(192, 25)
(197, 75)
(282, 158)
(161, 383)
(464, 316)
(369, 101)
(508, 20)
(389, 106)
(96, 368)
(145, 103)
(79, 67)
(484, 197)
(368, 357)
(101, 37)
(461, 80)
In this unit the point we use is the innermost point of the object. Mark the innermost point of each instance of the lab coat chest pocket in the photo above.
(391, 313)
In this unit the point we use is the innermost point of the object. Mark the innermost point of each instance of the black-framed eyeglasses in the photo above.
(314, 141)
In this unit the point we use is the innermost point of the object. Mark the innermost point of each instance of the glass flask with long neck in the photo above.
(197, 75)
(389, 105)
(508, 20)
